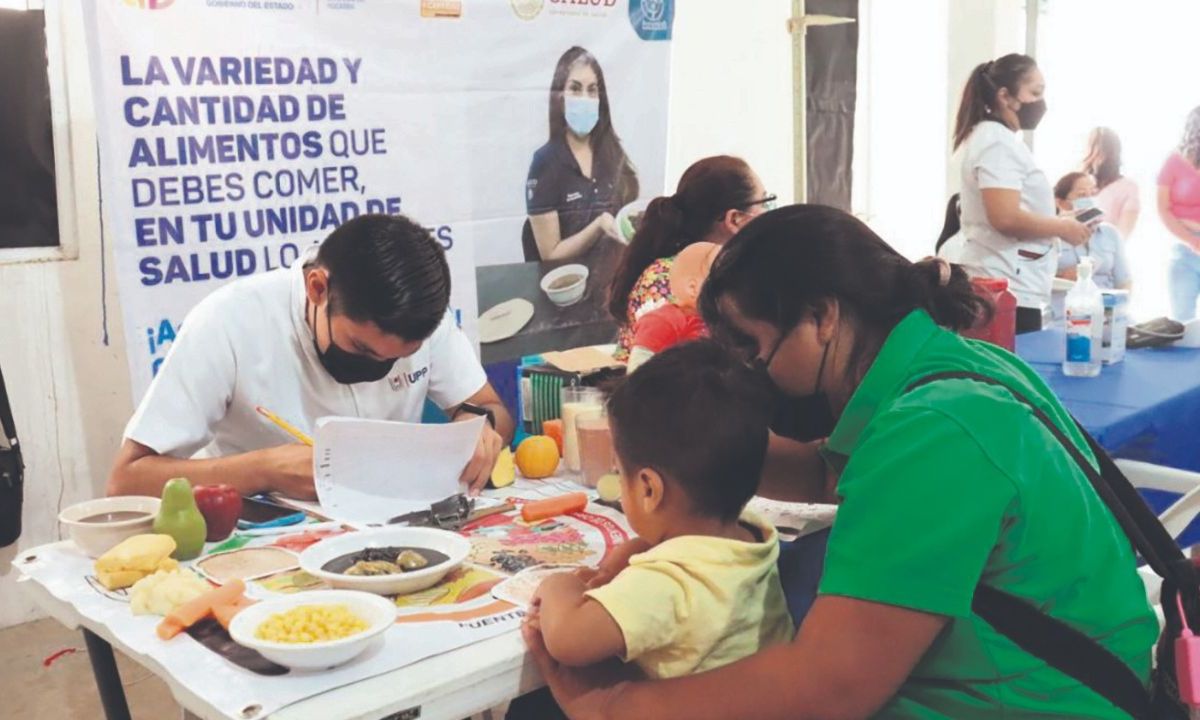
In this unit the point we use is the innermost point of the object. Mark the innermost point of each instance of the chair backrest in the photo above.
(1175, 518)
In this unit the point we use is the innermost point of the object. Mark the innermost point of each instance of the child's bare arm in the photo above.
(578, 630)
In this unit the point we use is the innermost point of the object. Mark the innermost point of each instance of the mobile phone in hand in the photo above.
(1087, 215)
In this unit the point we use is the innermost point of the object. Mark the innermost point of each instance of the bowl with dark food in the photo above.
(565, 285)
(386, 561)
(97, 526)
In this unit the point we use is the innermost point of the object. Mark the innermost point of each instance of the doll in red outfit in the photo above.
(679, 321)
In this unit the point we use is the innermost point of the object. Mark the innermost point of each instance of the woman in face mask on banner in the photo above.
(580, 178)
(1009, 220)
(939, 494)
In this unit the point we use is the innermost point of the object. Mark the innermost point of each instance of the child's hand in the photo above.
(533, 616)
(586, 574)
(616, 561)
(559, 586)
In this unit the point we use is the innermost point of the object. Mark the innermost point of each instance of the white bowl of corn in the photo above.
(314, 630)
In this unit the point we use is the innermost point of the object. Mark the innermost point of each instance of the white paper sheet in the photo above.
(368, 471)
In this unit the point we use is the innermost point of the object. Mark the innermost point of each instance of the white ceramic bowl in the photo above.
(569, 294)
(95, 539)
(378, 612)
(454, 546)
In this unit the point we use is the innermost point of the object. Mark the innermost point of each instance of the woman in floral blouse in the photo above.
(716, 196)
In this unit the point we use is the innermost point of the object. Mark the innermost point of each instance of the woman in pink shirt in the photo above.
(1118, 196)
(1179, 208)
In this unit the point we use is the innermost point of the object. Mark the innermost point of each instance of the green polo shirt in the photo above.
(956, 482)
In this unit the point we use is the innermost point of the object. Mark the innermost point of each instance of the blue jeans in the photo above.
(801, 563)
(1184, 282)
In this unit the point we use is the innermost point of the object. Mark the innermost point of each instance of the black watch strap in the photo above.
(477, 410)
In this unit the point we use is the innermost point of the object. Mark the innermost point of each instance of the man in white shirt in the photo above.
(358, 328)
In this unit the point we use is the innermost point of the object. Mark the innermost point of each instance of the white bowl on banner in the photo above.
(454, 546)
(378, 612)
(566, 294)
(97, 538)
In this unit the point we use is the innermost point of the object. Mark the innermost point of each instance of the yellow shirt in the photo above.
(695, 603)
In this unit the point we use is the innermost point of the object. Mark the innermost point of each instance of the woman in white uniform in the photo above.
(1009, 220)
(359, 328)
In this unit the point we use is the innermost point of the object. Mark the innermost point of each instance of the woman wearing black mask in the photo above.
(1009, 220)
(945, 485)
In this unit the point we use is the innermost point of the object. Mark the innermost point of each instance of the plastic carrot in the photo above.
(224, 613)
(551, 507)
(193, 611)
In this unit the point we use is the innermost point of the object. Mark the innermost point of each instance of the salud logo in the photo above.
(652, 19)
(149, 4)
(527, 9)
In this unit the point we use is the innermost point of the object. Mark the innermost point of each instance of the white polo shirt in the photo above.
(994, 157)
(247, 344)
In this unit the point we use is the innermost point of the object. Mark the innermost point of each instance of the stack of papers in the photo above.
(368, 471)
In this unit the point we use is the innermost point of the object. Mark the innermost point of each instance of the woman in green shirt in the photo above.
(941, 488)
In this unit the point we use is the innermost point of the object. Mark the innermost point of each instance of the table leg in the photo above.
(108, 678)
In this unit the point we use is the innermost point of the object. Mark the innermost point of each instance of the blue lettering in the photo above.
(151, 274)
(352, 65)
(130, 105)
(166, 333)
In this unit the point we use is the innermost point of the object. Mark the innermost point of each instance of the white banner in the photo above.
(234, 134)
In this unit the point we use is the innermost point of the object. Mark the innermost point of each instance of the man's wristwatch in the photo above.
(476, 410)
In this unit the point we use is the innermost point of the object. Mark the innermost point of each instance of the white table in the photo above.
(453, 685)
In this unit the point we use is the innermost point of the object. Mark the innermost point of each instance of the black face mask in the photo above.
(1030, 114)
(805, 418)
(346, 367)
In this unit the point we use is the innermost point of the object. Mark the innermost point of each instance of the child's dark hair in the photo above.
(699, 417)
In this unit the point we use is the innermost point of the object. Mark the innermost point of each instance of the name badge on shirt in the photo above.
(574, 196)
(407, 379)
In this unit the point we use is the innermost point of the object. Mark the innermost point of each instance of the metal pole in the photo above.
(1032, 10)
(799, 102)
(108, 678)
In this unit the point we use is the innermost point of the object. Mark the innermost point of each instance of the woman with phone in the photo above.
(1009, 220)
(1075, 195)
(1179, 209)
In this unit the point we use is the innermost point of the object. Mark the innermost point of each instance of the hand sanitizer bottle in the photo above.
(1085, 324)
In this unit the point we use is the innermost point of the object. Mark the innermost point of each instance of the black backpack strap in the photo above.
(1063, 647)
(6, 418)
(1053, 641)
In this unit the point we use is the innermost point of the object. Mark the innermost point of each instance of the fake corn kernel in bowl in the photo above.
(316, 629)
(311, 623)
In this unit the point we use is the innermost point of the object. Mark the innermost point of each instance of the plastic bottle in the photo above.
(1085, 325)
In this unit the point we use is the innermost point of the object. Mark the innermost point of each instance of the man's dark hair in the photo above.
(388, 270)
(699, 417)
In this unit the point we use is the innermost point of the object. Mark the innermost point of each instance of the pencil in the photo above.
(287, 427)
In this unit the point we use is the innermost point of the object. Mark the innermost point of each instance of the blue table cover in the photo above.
(1144, 408)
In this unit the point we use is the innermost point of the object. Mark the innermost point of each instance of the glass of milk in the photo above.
(577, 401)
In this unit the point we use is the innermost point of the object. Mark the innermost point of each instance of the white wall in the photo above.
(914, 58)
(731, 88)
(731, 93)
(69, 391)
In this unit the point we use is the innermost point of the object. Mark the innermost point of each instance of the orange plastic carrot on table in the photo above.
(224, 613)
(193, 611)
(561, 505)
